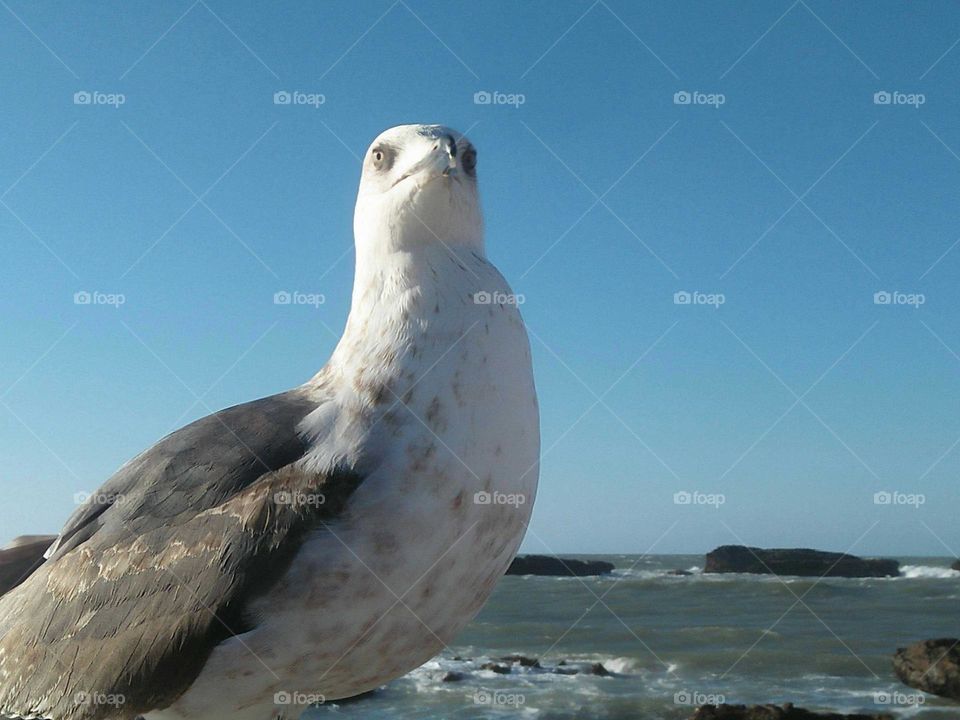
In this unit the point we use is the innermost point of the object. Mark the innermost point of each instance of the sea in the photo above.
(672, 642)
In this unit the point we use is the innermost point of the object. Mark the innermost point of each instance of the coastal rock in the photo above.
(21, 557)
(772, 712)
(802, 562)
(496, 667)
(931, 665)
(599, 669)
(956, 566)
(682, 573)
(453, 676)
(555, 566)
(521, 660)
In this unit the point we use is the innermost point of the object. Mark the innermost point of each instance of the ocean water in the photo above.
(672, 642)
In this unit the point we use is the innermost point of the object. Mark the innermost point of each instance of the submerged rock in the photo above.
(772, 712)
(801, 561)
(453, 676)
(555, 566)
(931, 665)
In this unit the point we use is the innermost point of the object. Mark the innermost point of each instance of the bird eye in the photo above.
(380, 158)
(469, 161)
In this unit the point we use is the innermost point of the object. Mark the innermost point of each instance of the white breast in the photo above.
(432, 528)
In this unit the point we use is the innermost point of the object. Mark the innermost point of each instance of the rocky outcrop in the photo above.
(956, 566)
(772, 712)
(931, 665)
(20, 558)
(555, 566)
(801, 561)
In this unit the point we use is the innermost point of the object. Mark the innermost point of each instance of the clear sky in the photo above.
(785, 193)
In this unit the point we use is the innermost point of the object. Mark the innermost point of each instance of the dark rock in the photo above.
(956, 566)
(683, 573)
(20, 558)
(555, 566)
(931, 665)
(599, 669)
(565, 670)
(453, 677)
(522, 660)
(802, 562)
(496, 667)
(772, 712)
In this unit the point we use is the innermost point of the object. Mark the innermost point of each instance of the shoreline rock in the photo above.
(773, 712)
(557, 567)
(931, 665)
(802, 562)
(956, 566)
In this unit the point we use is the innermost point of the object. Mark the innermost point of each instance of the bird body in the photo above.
(312, 545)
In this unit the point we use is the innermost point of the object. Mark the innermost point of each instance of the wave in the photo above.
(927, 571)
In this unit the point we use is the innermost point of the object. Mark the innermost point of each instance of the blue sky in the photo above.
(786, 188)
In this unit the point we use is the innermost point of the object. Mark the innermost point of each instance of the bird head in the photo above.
(419, 186)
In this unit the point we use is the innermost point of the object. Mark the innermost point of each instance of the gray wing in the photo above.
(155, 570)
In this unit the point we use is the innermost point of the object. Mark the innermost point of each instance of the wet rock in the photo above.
(599, 669)
(496, 667)
(555, 566)
(522, 660)
(682, 573)
(453, 676)
(801, 562)
(931, 665)
(956, 566)
(772, 712)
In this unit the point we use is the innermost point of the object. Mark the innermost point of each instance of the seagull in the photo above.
(315, 544)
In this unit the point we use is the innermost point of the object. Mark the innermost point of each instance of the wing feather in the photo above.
(154, 572)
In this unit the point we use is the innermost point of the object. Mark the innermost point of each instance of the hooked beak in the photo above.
(440, 161)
